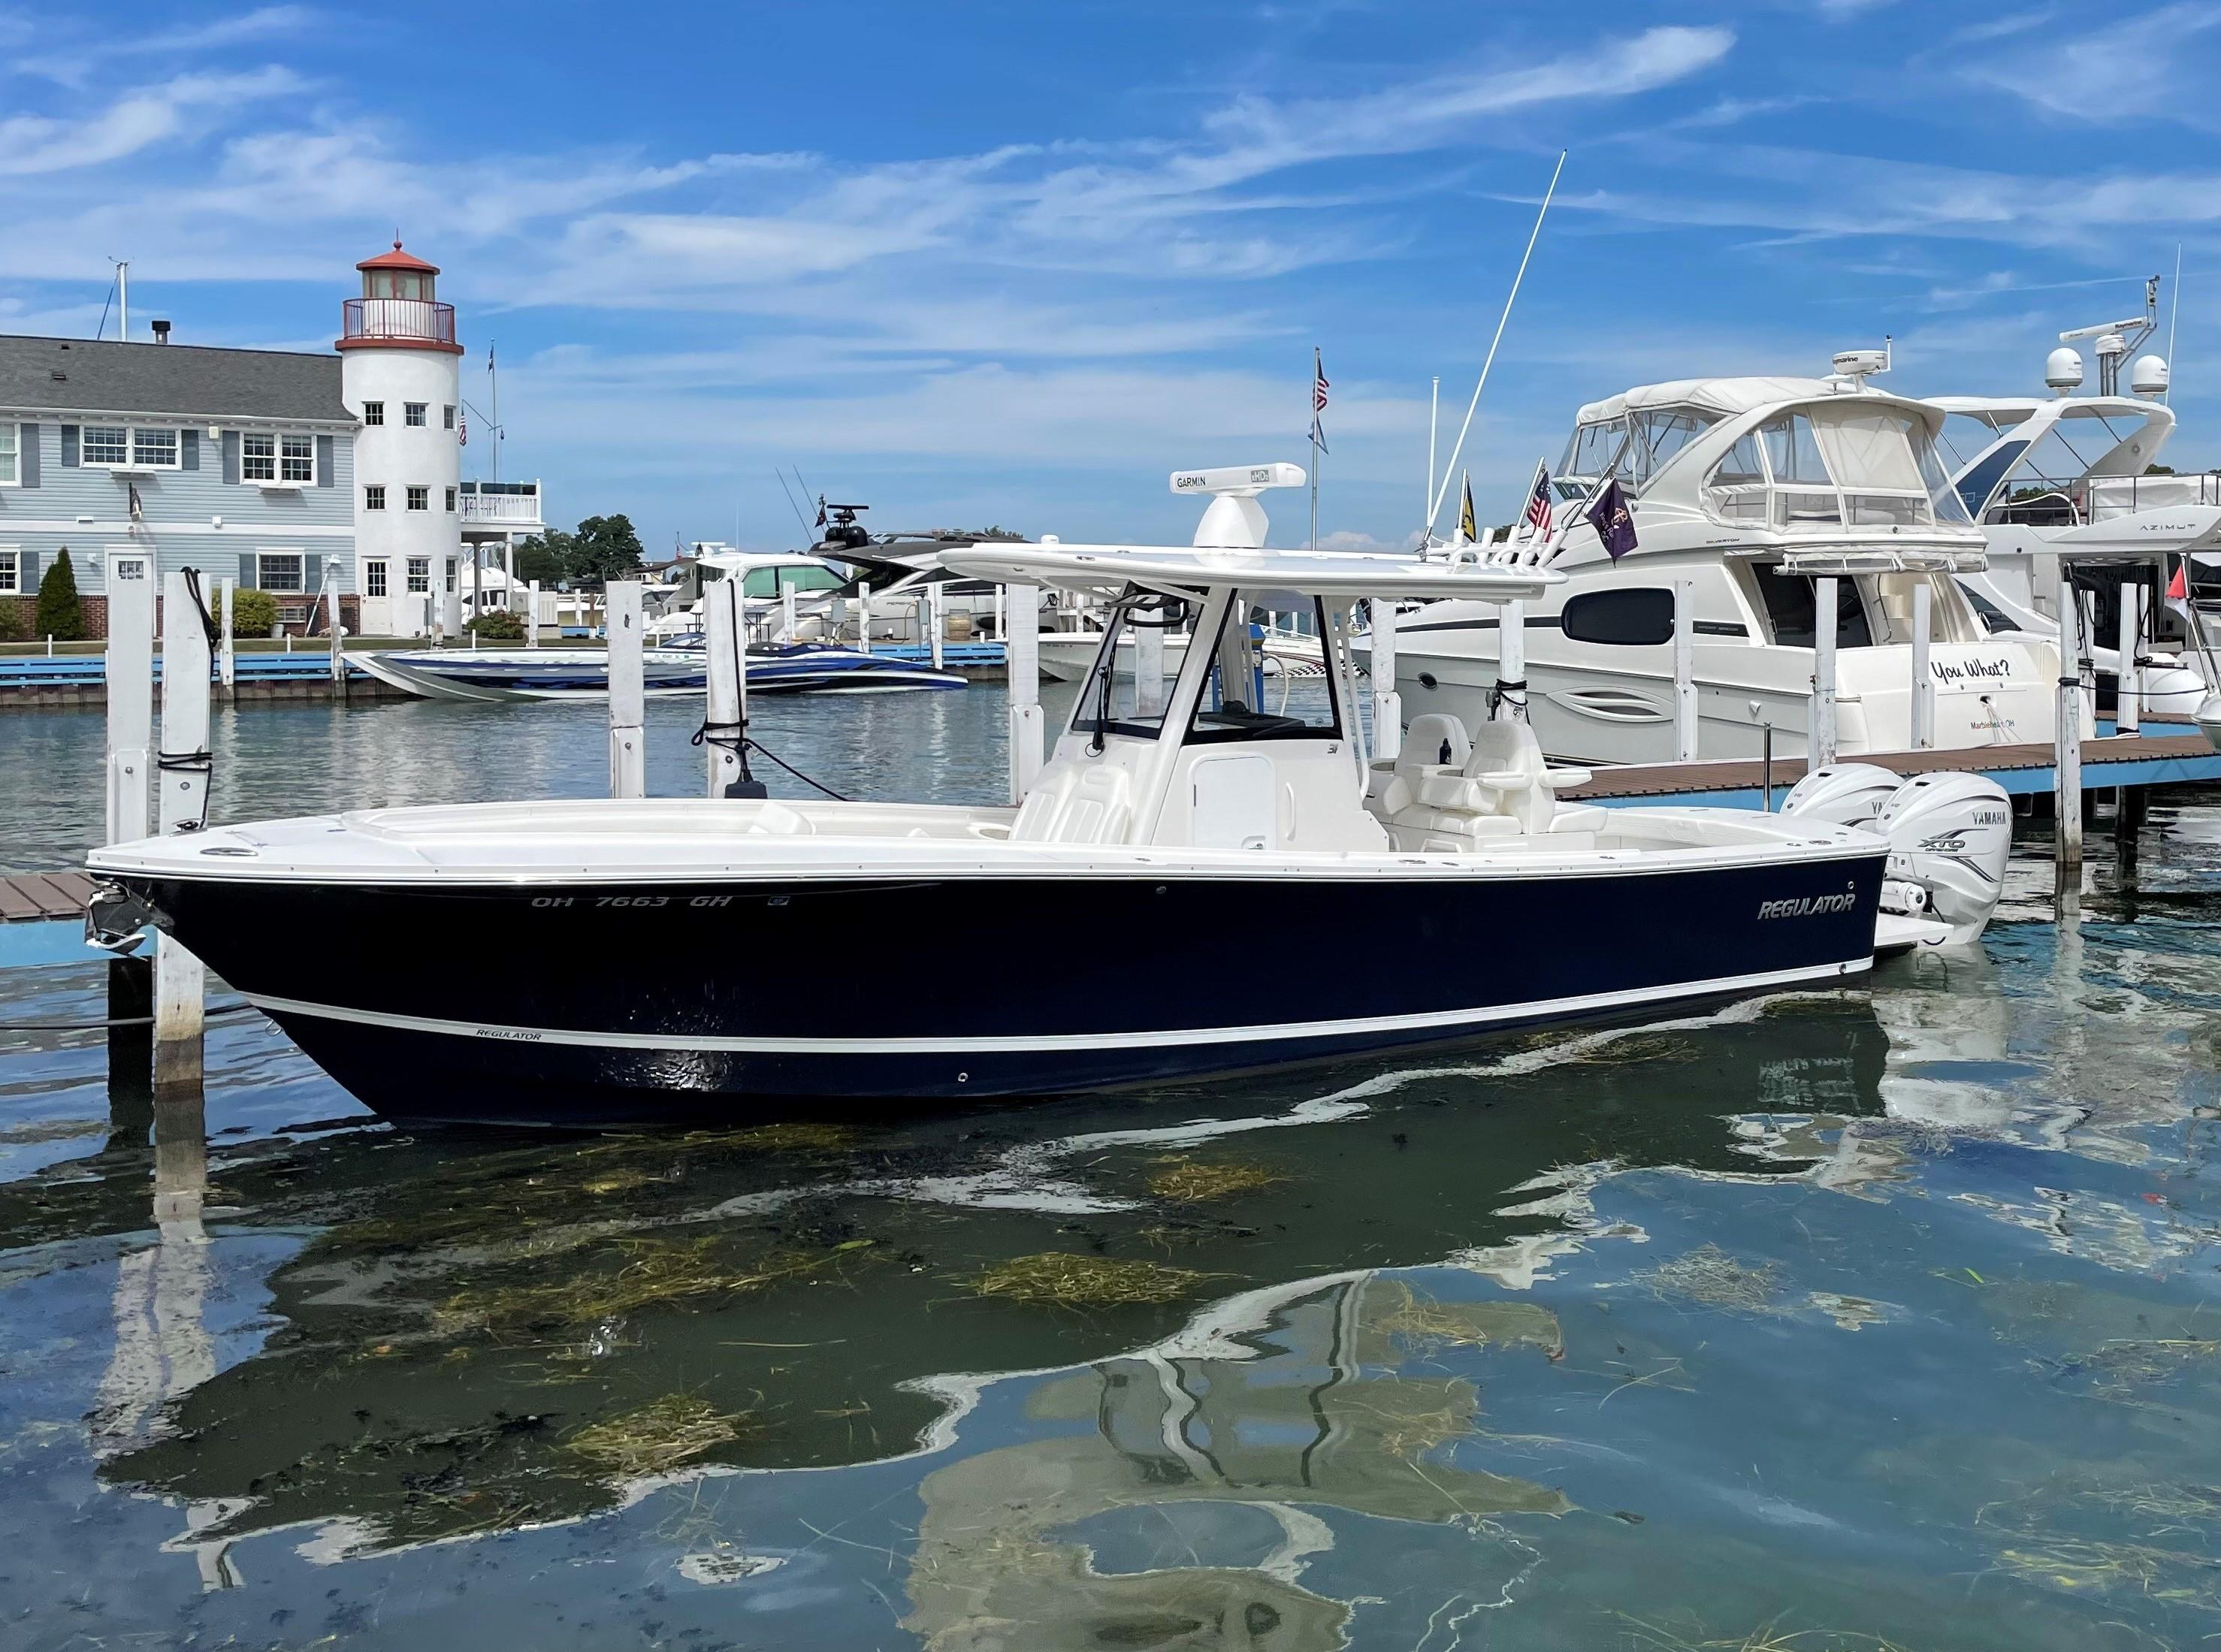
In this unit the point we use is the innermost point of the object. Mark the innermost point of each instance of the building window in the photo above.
(279, 570)
(419, 574)
(273, 458)
(10, 580)
(373, 412)
(451, 573)
(154, 449)
(257, 458)
(420, 498)
(373, 578)
(447, 417)
(412, 414)
(374, 496)
(10, 475)
(127, 448)
(105, 445)
(451, 502)
(296, 458)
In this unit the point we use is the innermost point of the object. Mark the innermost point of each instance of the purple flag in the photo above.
(1614, 523)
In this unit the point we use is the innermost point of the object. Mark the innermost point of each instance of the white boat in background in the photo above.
(489, 675)
(1745, 490)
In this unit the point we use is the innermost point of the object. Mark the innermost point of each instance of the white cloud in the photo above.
(31, 144)
(2128, 71)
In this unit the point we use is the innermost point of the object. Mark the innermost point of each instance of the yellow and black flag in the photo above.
(1468, 529)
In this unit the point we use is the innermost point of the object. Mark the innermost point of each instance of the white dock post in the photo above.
(936, 610)
(627, 692)
(1684, 671)
(1820, 742)
(1921, 707)
(1388, 703)
(227, 662)
(720, 606)
(864, 618)
(2066, 834)
(180, 986)
(2128, 697)
(130, 673)
(787, 621)
(1512, 663)
(454, 602)
(532, 615)
(1002, 628)
(1022, 650)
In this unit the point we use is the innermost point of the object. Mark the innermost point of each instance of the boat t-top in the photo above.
(1742, 492)
(665, 959)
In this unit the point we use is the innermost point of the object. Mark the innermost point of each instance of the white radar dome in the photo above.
(2149, 376)
(2062, 369)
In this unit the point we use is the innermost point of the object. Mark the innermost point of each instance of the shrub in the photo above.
(61, 616)
(498, 626)
(254, 613)
(14, 620)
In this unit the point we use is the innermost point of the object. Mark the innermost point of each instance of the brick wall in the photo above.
(96, 614)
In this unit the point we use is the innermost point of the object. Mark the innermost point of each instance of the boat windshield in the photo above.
(1117, 696)
(800, 576)
(1827, 469)
(1641, 442)
(1254, 695)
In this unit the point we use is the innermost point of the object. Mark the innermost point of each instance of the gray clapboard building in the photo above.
(238, 462)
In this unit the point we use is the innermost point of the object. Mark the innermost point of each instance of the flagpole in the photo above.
(1435, 510)
(1434, 431)
(1318, 372)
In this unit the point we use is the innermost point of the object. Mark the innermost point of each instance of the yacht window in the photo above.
(1258, 707)
(1943, 498)
(1593, 447)
(1995, 620)
(1789, 609)
(1110, 702)
(1738, 488)
(1660, 434)
(1636, 618)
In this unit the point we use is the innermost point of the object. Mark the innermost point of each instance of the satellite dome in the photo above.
(2149, 376)
(2062, 369)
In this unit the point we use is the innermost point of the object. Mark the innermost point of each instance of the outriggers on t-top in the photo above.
(663, 958)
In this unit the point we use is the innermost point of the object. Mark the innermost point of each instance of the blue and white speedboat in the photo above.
(488, 675)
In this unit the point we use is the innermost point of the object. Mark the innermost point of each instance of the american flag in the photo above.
(1538, 505)
(462, 426)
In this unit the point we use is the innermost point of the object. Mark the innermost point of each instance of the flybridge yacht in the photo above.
(1743, 491)
(1191, 813)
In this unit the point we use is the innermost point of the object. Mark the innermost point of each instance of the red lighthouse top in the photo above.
(397, 308)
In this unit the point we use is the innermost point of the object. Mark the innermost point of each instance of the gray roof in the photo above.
(177, 381)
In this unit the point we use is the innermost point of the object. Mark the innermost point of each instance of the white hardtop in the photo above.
(1337, 576)
(1728, 397)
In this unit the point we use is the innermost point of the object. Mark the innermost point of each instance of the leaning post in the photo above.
(1820, 743)
(1022, 651)
(628, 690)
(180, 984)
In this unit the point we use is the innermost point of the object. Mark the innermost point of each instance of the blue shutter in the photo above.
(189, 450)
(26, 572)
(247, 570)
(27, 452)
(69, 447)
(324, 466)
(312, 573)
(231, 456)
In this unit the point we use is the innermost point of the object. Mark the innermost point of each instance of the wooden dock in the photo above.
(30, 897)
(2108, 762)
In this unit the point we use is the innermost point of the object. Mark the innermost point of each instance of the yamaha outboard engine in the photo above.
(1949, 837)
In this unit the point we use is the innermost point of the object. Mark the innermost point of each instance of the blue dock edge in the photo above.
(90, 670)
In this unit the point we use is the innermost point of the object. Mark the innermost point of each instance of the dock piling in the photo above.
(227, 660)
(1820, 743)
(532, 615)
(863, 617)
(628, 690)
(180, 982)
(130, 671)
(2128, 685)
(1684, 671)
(935, 605)
(1023, 653)
(2066, 825)
(723, 725)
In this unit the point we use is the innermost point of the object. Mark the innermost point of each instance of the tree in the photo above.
(606, 549)
(61, 616)
(547, 557)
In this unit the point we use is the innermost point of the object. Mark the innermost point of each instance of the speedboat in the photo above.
(1742, 492)
(770, 581)
(680, 667)
(657, 960)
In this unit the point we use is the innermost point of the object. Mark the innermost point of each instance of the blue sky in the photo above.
(1014, 263)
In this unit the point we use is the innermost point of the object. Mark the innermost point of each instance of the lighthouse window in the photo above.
(420, 498)
(374, 496)
(419, 574)
(448, 418)
(412, 414)
(451, 502)
(373, 412)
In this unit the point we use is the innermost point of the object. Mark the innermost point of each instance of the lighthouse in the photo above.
(399, 376)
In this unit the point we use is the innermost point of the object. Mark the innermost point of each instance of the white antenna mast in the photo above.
(1433, 432)
(1435, 510)
(123, 299)
(2174, 317)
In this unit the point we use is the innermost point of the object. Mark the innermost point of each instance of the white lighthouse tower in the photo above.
(398, 362)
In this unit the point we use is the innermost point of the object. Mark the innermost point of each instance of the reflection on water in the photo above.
(1879, 1313)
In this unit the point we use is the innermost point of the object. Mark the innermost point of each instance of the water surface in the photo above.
(1880, 1314)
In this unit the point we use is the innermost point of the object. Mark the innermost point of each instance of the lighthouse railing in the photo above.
(407, 320)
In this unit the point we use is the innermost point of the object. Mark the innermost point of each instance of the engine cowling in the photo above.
(1950, 835)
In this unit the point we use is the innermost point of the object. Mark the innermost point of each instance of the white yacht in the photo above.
(1742, 492)
(767, 577)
